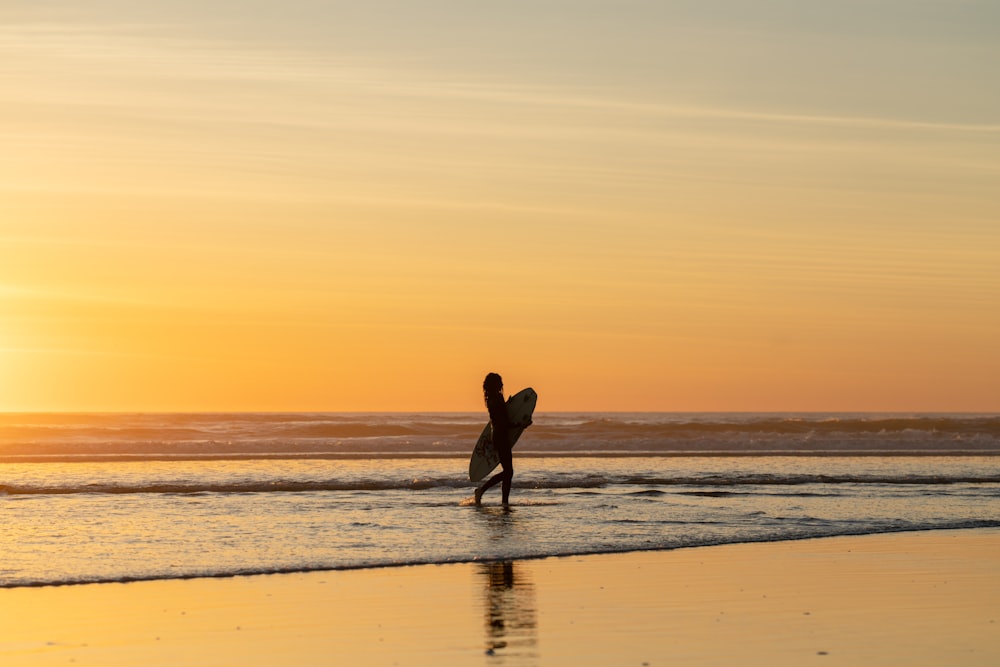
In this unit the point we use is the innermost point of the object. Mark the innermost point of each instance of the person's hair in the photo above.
(492, 384)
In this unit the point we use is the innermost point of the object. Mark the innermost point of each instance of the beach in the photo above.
(916, 598)
(632, 539)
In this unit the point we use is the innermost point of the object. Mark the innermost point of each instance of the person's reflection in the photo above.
(511, 628)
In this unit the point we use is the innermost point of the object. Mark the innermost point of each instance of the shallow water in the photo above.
(100, 516)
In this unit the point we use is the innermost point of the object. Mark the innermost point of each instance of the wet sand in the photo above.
(929, 598)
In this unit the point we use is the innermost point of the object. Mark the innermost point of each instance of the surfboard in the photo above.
(484, 459)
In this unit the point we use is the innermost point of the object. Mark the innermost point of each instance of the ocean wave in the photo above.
(678, 425)
(90, 437)
(686, 542)
(710, 484)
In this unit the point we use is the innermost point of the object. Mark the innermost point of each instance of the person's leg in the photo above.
(492, 481)
(502, 443)
(507, 476)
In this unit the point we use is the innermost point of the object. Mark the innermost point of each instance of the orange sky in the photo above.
(339, 208)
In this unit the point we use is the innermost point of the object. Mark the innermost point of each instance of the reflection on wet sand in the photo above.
(511, 621)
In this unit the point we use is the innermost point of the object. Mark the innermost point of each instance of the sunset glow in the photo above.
(628, 206)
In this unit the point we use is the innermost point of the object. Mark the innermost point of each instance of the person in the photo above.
(497, 407)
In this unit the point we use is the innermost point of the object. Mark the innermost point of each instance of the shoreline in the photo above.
(386, 566)
(916, 597)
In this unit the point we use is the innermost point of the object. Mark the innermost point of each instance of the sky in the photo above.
(713, 205)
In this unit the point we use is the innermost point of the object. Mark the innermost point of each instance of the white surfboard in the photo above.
(484, 459)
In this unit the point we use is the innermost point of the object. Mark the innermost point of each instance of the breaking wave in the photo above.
(717, 483)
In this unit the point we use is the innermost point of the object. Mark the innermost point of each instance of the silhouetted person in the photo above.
(497, 407)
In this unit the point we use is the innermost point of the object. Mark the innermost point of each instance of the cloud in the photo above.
(144, 55)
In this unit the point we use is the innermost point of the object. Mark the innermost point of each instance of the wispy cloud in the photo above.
(144, 55)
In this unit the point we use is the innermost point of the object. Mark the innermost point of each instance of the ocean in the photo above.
(125, 497)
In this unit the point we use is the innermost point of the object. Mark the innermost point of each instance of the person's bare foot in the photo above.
(479, 496)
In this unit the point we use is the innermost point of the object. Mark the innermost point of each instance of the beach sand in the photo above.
(929, 598)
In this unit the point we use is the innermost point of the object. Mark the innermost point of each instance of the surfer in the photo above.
(497, 407)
